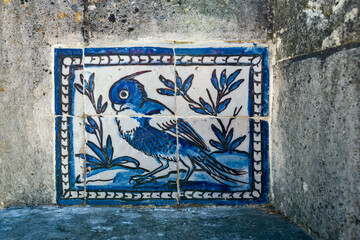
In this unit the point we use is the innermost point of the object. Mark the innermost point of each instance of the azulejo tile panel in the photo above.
(161, 125)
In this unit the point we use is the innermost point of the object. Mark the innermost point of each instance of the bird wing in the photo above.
(153, 107)
(185, 131)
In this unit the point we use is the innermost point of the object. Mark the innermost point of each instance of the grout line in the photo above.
(53, 120)
(86, 41)
(168, 116)
(269, 120)
(177, 136)
(83, 118)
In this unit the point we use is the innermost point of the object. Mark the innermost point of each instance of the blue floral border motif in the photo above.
(69, 60)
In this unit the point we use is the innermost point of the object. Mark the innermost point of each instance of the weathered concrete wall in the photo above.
(315, 122)
(180, 20)
(304, 26)
(29, 29)
(27, 32)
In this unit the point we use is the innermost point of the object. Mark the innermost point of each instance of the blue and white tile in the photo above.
(121, 157)
(222, 77)
(68, 82)
(219, 151)
(70, 162)
(121, 87)
(212, 90)
(231, 167)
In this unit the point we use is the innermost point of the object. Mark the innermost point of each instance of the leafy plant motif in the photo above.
(87, 88)
(104, 153)
(225, 136)
(224, 86)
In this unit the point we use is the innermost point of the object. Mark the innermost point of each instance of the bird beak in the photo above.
(117, 107)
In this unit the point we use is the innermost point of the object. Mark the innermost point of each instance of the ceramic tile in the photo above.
(69, 160)
(223, 160)
(152, 116)
(128, 81)
(130, 161)
(68, 74)
(222, 81)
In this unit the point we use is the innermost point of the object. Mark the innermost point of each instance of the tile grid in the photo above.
(65, 121)
(178, 195)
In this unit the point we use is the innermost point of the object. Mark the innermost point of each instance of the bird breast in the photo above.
(127, 126)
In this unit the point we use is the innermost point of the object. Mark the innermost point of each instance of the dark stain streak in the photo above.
(322, 54)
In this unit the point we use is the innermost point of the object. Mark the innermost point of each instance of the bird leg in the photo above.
(190, 169)
(148, 177)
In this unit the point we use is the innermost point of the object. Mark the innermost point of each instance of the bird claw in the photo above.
(139, 179)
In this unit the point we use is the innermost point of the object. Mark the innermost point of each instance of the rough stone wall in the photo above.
(29, 29)
(315, 122)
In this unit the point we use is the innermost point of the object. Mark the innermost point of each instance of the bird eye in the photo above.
(124, 94)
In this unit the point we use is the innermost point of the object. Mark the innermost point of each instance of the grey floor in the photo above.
(144, 223)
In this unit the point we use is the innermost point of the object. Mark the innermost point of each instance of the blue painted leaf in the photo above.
(109, 148)
(178, 93)
(91, 82)
(80, 155)
(229, 136)
(97, 151)
(197, 110)
(92, 122)
(167, 82)
(237, 142)
(79, 88)
(223, 79)
(94, 160)
(104, 107)
(82, 78)
(178, 80)
(89, 129)
(125, 160)
(95, 166)
(86, 85)
(214, 80)
(217, 132)
(164, 91)
(206, 105)
(232, 77)
(188, 82)
(99, 102)
(223, 105)
(235, 85)
(216, 144)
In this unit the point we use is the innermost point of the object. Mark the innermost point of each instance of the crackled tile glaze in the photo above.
(162, 125)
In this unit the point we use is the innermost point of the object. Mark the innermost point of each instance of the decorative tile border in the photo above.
(67, 61)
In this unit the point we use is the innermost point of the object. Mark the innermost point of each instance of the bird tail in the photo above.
(220, 172)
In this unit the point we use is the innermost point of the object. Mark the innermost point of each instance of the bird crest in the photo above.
(132, 76)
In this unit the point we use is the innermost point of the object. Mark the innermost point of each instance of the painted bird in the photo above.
(158, 140)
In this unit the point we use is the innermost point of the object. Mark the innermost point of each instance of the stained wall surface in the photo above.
(314, 117)
(315, 122)
(29, 30)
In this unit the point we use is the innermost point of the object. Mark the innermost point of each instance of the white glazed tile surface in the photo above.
(106, 76)
(202, 82)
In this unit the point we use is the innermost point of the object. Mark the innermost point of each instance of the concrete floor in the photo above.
(144, 223)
